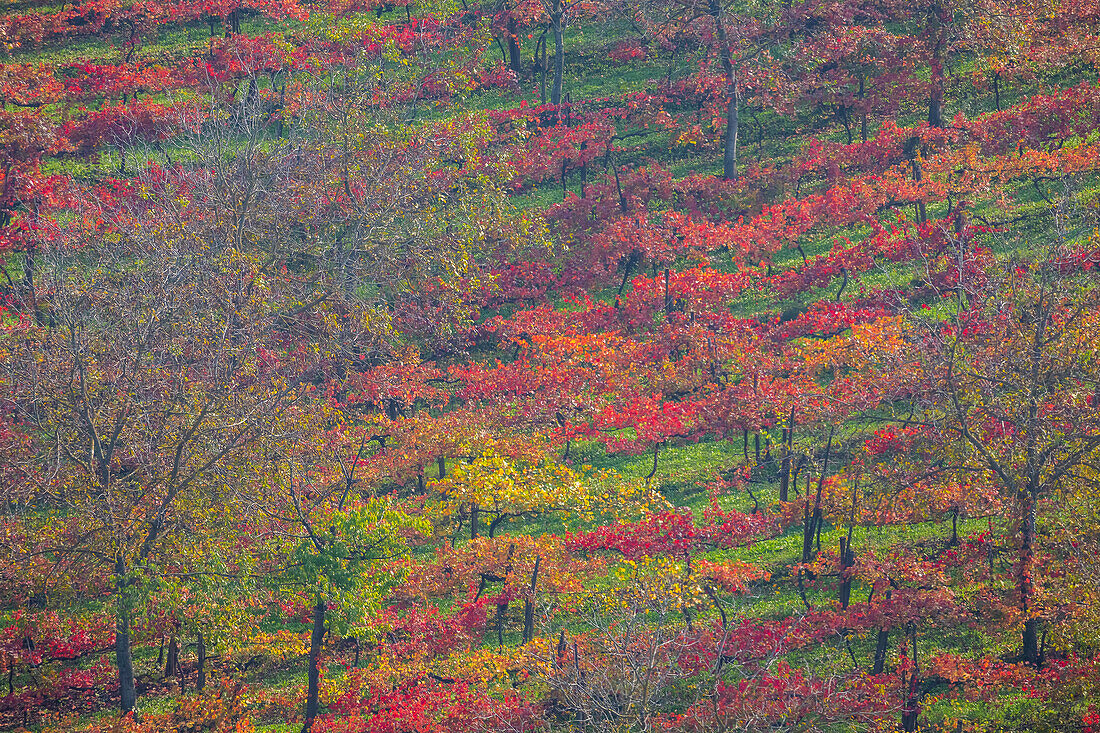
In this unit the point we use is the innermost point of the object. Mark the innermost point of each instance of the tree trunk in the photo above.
(502, 607)
(912, 152)
(473, 520)
(935, 92)
(807, 526)
(811, 524)
(123, 655)
(1025, 576)
(729, 153)
(785, 462)
(315, 639)
(529, 605)
(847, 560)
(515, 62)
(559, 54)
(862, 111)
(542, 71)
(172, 665)
(881, 643)
(201, 643)
(911, 709)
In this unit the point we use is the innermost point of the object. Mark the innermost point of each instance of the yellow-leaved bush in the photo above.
(502, 487)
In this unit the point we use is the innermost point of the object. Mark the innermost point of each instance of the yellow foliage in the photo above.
(502, 485)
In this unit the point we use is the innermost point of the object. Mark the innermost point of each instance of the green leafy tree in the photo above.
(339, 546)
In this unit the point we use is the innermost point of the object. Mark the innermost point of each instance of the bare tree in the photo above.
(140, 388)
(1011, 379)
